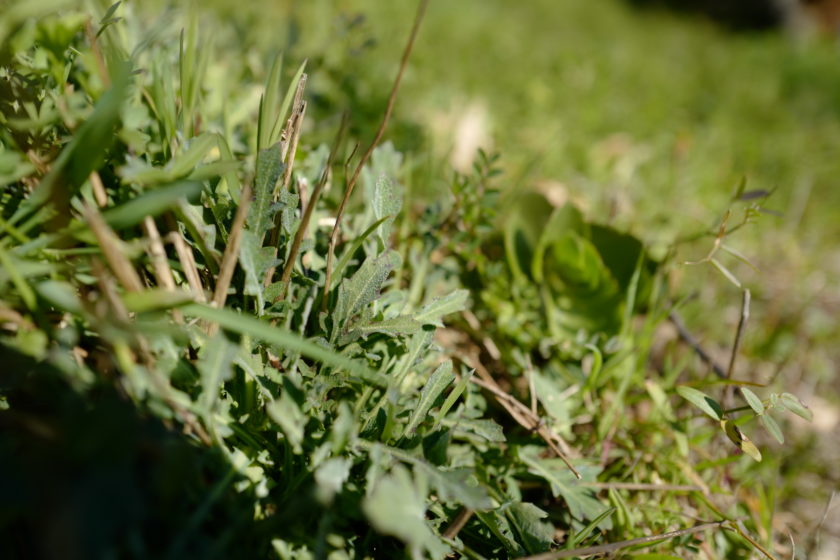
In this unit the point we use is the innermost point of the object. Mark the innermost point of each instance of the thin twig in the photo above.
(292, 134)
(642, 486)
(112, 250)
(458, 523)
(98, 189)
(232, 250)
(736, 345)
(742, 322)
(689, 339)
(421, 10)
(188, 265)
(230, 256)
(613, 547)
(523, 416)
(157, 254)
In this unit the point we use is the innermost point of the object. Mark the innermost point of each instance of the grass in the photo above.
(479, 372)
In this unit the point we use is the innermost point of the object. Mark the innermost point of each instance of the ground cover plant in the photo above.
(210, 347)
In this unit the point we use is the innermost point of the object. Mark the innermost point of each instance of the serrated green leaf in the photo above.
(261, 214)
(771, 426)
(753, 400)
(395, 508)
(502, 529)
(364, 286)
(255, 260)
(793, 404)
(484, 428)
(433, 312)
(243, 324)
(440, 379)
(60, 294)
(403, 325)
(702, 401)
(534, 533)
(387, 202)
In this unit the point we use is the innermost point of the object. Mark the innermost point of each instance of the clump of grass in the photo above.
(183, 347)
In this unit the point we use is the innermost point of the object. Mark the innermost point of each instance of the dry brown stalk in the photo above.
(98, 190)
(307, 214)
(157, 254)
(292, 133)
(188, 265)
(113, 250)
(520, 412)
(231, 254)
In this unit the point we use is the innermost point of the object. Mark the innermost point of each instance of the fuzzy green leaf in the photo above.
(793, 404)
(440, 379)
(395, 508)
(433, 312)
(753, 400)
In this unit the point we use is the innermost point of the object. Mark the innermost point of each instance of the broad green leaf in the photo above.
(771, 426)
(433, 312)
(793, 404)
(456, 485)
(243, 324)
(534, 533)
(287, 414)
(214, 366)
(395, 508)
(702, 401)
(753, 400)
(440, 379)
(60, 294)
(255, 261)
